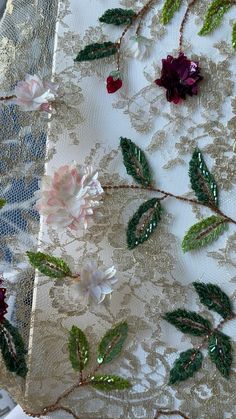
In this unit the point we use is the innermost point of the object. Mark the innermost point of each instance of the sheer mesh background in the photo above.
(27, 32)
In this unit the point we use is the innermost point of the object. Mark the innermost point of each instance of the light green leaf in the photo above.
(204, 233)
(234, 36)
(220, 352)
(118, 16)
(112, 343)
(2, 202)
(12, 349)
(109, 382)
(188, 322)
(49, 265)
(135, 162)
(169, 9)
(214, 15)
(186, 365)
(202, 181)
(97, 51)
(143, 222)
(78, 349)
(214, 298)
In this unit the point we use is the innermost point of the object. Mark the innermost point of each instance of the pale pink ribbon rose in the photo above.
(94, 283)
(34, 94)
(68, 198)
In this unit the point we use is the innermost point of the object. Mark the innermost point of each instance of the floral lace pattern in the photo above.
(155, 277)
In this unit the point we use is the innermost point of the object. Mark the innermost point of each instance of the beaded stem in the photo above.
(140, 15)
(181, 30)
(171, 195)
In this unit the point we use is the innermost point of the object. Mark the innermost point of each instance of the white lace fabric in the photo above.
(156, 276)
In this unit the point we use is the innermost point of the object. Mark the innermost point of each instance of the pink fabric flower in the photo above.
(33, 94)
(68, 198)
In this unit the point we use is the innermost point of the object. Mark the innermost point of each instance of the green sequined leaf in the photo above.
(188, 322)
(2, 202)
(169, 9)
(12, 349)
(97, 51)
(135, 162)
(220, 352)
(143, 222)
(109, 382)
(78, 349)
(112, 343)
(214, 15)
(214, 298)
(49, 265)
(118, 16)
(204, 233)
(186, 365)
(234, 35)
(202, 181)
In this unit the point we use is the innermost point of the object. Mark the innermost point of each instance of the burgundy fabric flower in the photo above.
(3, 305)
(180, 76)
(113, 84)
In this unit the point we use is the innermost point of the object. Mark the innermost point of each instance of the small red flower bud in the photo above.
(113, 84)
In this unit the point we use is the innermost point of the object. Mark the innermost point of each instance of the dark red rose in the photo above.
(113, 84)
(3, 305)
(180, 77)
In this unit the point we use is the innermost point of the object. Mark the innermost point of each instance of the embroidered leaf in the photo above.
(112, 343)
(135, 162)
(2, 203)
(214, 298)
(214, 15)
(234, 35)
(204, 233)
(143, 222)
(118, 16)
(188, 322)
(109, 382)
(169, 9)
(12, 348)
(97, 51)
(220, 352)
(202, 181)
(78, 349)
(49, 265)
(186, 365)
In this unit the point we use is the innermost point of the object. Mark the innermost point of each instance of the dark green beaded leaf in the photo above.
(234, 36)
(112, 343)
(97, 51)
(118, 16)
(204, 232)
(214, 15)
(169, 9)
(12, 349)
(78, 349)
(2, 202)
(135, 162)
(188, 322)
(202, 181)
(143, 222)
(49, 265)
(220, 352)
(214, 298)
(186, 365)
(109, 382)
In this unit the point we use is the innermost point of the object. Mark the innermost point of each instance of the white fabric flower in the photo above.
(34, 94)
(141, 47)
(68, 198)
(94, 284)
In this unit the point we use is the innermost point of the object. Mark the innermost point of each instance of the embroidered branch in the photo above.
(108, 349)
(148, 216)
(160, 413)
(218, 344)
